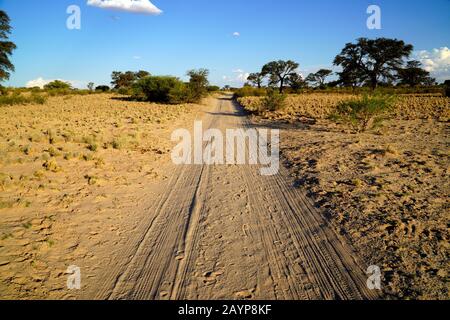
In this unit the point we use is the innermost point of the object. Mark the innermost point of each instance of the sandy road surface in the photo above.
(226, 232)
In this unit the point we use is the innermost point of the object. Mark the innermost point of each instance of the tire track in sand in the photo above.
(226, 232)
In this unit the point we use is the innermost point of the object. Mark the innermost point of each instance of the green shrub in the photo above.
(102, 88)
(363, 112)
(37, 98)
(162, 89)
(447, 91)
(58, 92)
(198, 84)
(57, 84)
(250, 92)
(274, 101)
(182, 93)
(124, 91)
(213, 88)
(17, 98)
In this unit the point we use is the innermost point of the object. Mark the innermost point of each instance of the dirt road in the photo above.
(227, 232)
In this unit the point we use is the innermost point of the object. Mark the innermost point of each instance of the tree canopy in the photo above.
(256, 79)
(318, 78)
(372, 61)
(279, 71)
(6, 47)
(127, 79)
(58, 84)
(413, 75)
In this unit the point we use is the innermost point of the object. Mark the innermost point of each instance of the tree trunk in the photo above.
(281, 85)
(374, 83)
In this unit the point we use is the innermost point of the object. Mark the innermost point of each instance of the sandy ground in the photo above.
(76, 176)
(143, 228)
(386, 190)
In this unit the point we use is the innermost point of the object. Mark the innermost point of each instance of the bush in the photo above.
(447, 90)
(162, 89)
(102, 88)
(250, 92)
(57, 84)
(274, 101)
(213, 88)
(17, 98)
(362, 112)
(198, 84)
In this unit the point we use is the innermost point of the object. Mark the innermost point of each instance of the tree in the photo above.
(198, 83)
(6, 47)
(58, 85)
(122, 79)
(279, 71)
(256, 78)
(90, 86)
(163, 89)
(413, 75)
(296, 81)
(141, 74)
(447, 88)
(372, 60)
(127, 79)
(319, 77)
(102, 88)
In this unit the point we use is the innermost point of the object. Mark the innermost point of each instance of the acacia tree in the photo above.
(256, 78)
(279, 71)
(413, 75)
(6, 47)
(58, 85)
(296, 81)
(141, 74)
(198, 83)
(319, 77)
(372, 61)
(127, 79)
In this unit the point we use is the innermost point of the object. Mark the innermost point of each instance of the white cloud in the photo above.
(436, 61)
(240, 77)
(137, 57)
(135, 6)
(236, 34)
(41, 82)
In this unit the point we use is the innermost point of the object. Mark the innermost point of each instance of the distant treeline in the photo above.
(367, 64)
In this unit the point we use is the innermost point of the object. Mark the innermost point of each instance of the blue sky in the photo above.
(199, 33)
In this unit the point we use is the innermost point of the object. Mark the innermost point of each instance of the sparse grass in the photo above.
(92, 180)
(51, 165)
(92, 147)
(50, 242)
(119, 143)
(7, 204)
(6, 236)
(20, 99)
(39, 174)
(324, 105)
(27, 225)
(87, 156)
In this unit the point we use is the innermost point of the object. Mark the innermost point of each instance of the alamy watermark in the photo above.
(374, 279)
(73, 278)
(237, 147)
(73, 22)
(374, 20)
